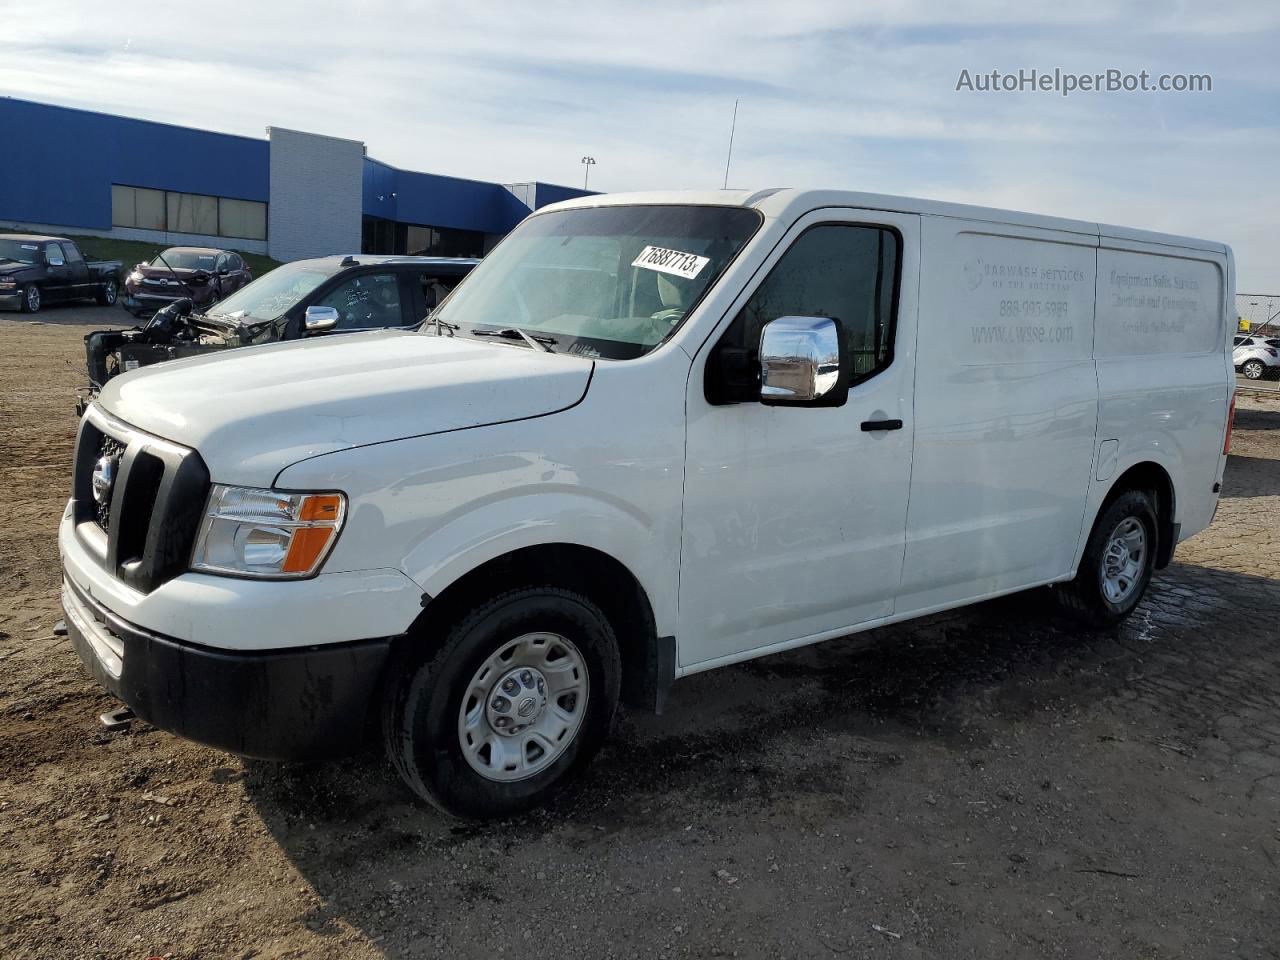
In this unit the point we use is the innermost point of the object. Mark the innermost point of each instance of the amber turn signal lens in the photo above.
(306, 548)
(321, 507)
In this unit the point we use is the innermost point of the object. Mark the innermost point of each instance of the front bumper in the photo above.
(148, 301)
(150, 298)
(304, 704)
(271, 669)
(11, 301)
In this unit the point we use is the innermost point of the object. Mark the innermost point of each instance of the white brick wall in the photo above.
(315, 195)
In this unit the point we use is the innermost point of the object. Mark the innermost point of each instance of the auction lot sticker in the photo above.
(675, 262)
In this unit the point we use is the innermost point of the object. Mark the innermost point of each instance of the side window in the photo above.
(233, 262)
(367, 300)
(71, 253)
(222, 263)
(53, 254)
(843, 271)
(435, 288)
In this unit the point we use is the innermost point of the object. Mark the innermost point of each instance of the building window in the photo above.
(242, 218)
(137, 207)
(377, 235)
(193, 213)
(423, 241)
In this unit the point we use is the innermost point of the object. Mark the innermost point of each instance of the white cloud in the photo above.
(832, 94)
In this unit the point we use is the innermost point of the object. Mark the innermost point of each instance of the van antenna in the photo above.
(732, 127)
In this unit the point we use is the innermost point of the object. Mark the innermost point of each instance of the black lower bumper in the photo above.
(300, 704)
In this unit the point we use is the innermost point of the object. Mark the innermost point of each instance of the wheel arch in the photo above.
(1153, 478)
(648, 661)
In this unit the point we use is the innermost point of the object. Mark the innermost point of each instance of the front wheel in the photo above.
(1252, 369)
(517, 698)
(1118, 562)
(107, 293)
(31, 298)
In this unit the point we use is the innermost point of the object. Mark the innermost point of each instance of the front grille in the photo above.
(151, 511)
(108, 449)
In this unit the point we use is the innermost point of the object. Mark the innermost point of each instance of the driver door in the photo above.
(55, 288)
(795, 517)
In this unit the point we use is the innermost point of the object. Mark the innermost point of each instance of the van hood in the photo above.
(253, 411)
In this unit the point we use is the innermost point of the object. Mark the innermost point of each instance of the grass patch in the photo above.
(129, 252)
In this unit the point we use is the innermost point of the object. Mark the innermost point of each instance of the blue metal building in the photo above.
(290, 195)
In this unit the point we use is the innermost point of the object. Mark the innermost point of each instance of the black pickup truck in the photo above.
(35, 270)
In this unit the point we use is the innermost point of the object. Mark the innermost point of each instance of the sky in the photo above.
(840, 95)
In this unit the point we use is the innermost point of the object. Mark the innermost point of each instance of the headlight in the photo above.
(267, 533)
(136, 276)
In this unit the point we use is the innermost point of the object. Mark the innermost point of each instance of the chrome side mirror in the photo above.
(319, 319)
(802, 363)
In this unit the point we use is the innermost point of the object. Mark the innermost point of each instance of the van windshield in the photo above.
(611, 282)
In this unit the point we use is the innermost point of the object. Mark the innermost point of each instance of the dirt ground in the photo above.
(989, 783)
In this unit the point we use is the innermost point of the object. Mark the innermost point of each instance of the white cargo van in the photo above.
(648, 436)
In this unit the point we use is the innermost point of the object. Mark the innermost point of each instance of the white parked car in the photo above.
(650, 435)
(1256, 357)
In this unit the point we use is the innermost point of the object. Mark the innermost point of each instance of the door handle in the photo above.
(869, 425)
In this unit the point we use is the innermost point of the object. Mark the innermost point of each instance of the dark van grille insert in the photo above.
(153, 510)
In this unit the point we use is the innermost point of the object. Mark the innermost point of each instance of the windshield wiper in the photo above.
(441, 324)
(515, 333)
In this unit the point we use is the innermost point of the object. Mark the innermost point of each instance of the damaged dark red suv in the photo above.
(203, 275)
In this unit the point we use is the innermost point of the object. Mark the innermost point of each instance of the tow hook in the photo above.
(117, 719)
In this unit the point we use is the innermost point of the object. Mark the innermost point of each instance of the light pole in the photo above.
(587, 164)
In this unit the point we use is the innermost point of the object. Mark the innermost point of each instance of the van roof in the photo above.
(788, 203)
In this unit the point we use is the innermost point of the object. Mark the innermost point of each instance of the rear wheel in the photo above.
(1252, 369)
(106, 295)
(1117, 563)
(31, 298)
(516, 699)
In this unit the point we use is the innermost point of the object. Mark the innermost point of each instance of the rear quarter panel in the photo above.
(1162, 349)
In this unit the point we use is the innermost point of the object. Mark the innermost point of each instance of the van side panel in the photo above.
(1006, 410)
(1164, 376)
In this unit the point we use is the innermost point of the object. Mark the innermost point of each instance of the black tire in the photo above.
(107, 293)
(1084, 596)
(31, 298)
(1253, 369)
(425, 688)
